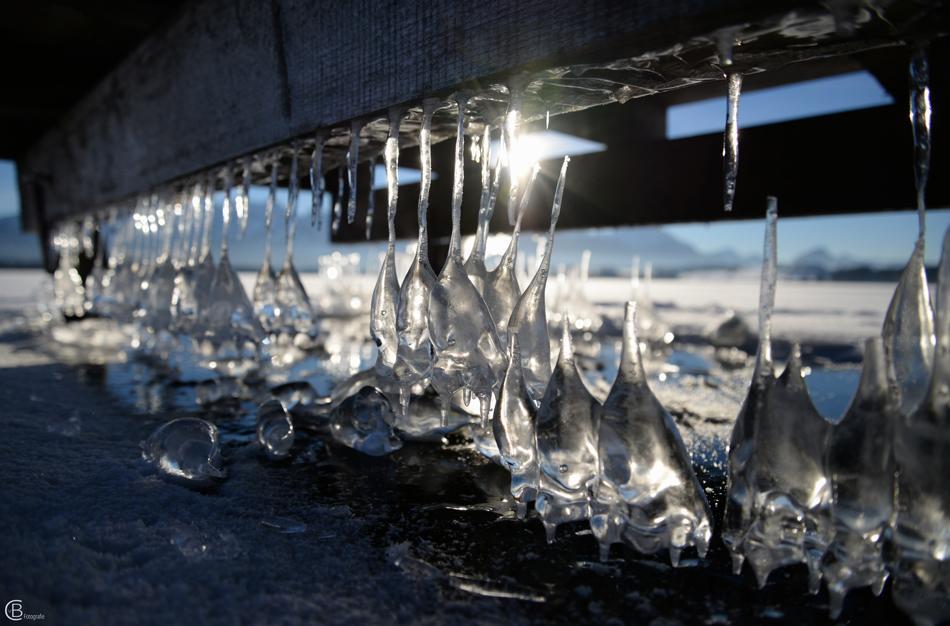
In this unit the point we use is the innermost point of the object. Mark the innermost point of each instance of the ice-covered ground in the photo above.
(422, 536)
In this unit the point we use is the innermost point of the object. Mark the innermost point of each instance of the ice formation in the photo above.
(186, 450)
(275, 430)
(779, 493)
(567, 443)
(364, 422)
(647, 494)
(861, 467)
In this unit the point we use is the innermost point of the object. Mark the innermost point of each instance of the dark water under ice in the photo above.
(425, 535)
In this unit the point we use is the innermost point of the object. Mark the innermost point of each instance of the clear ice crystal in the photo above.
(414, 352)
(265, 285)
(861, 466)
(567, 443)
(316, 181)
(275, 430)
(921, 569)
(294, 312)
(352, 166)
(730, 143)
(187, 451)
(385, 300)
(501, 290)
(364, 422)
(468, 353)
(647, 494)
(779, 493)
(529, 318)
(475, 263)
(514, 426)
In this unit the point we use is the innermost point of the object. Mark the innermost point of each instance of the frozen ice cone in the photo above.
(514, 427)
(909, 332)
(529, 318)
(645, 474)
(264, 298)
(861, 466)
(739, 502)
(921, 569)
(567, 442)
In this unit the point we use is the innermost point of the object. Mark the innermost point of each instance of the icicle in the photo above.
(295, 314)
(226, 211)
(244, 199)
(920, 123)
(385, 300)
(264, 296)
(861, 466)
(414, 355)
(352, 161)
(208, 216)
(475, 263)
(468, 353)
(316, 181)
(529, 317)
(647, 493)
(512, 121)
(730, 143)
(547, 120)
(567, 442)
(922, 453)
(338, 202)
(371, 199)
(501, 290)
(514, 429)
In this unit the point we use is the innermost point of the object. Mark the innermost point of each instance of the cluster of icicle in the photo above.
(865, 498)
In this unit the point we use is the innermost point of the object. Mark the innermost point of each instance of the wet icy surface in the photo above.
(426, 534)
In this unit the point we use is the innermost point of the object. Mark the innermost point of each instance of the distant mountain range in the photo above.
(612, 251)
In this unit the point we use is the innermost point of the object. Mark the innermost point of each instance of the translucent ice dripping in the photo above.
(316, 181)
(921, 569)
(352, 165)
(647, 494)
(295, 313)
(468, 353)
(512, 121)
(730, 142)
(514, 429)
(414, 354)
(567, 443)
(475, 263)
(265, 286)
(501, 289)
(920, 123)
(243, 202)
(385, 300)
(861, 466)
(371, 199)
(529, 319)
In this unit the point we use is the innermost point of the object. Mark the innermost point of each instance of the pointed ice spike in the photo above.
(909, 331)
(414, 354)
(741, 446)
(501, 290)
(529, 317)
(338, 202)
(371, 199)
(922, 453)
(265, 286)
(861, 467)
(920, 123)
(645, 471)
(244, 200)
(316, 181)
(512, 121)
(475, 263)
(730, 143)
(385, 300)
(468, 353)
(567, 442)
(352, 163)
